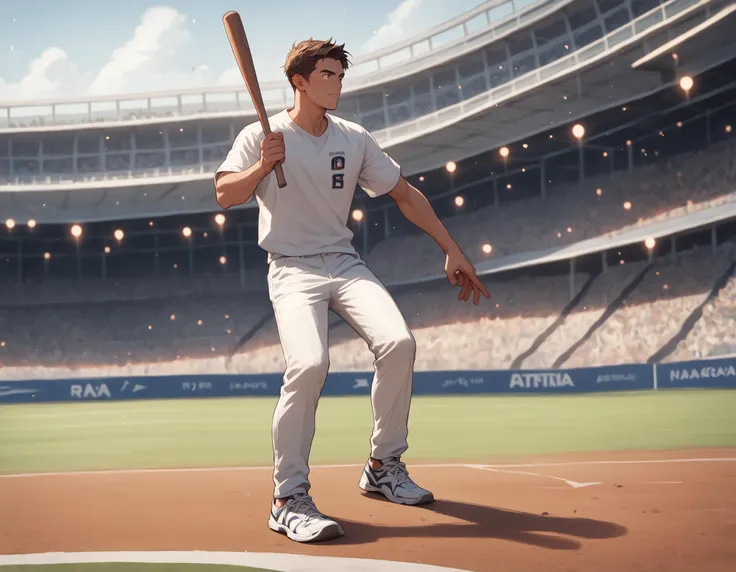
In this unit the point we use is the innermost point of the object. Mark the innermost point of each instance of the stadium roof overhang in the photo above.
(711, 39)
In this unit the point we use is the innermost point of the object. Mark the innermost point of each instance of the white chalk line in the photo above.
(270, 561)
(573, 484)
(356, 465)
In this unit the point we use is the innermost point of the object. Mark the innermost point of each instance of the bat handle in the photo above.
(280, 175)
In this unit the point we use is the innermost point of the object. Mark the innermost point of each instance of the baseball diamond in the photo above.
(418, 286)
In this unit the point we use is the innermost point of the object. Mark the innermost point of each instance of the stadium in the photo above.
(583, 155)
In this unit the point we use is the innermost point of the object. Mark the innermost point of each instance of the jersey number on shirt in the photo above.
(338, 179)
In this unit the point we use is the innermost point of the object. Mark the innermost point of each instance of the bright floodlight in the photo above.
(223, 260)
(31, 223)
(76, 231)
(119, 234)
(627, 205)
(686, 83)
(10, 223)
(220, 219)
(459, 201)
(487, 248)
(729, 129)
(358, 215)
(46, 255)
(107, 250)
(578, 131)
(649, 242)
(451, 166)
(186, 231)
(504, 151)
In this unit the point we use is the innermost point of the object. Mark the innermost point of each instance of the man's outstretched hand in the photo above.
(460, 272)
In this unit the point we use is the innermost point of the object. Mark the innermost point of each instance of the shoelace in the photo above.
(303, 504)
(398, 470)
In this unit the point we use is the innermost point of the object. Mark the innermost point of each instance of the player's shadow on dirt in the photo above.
(486, 522)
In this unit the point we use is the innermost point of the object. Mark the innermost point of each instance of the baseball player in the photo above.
(313, 267)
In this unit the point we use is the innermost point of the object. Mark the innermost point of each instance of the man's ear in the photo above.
(299, 82)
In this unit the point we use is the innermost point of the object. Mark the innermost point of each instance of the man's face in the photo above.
(325, 83)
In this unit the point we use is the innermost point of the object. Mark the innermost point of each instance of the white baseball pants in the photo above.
(302, 289)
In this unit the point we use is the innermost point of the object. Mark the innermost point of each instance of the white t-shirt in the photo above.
(309, 215)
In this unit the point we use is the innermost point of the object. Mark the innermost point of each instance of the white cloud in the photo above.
(148, 60)
(406, 19)
(48, 75)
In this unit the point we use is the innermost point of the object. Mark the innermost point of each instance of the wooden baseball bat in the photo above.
(241, 51)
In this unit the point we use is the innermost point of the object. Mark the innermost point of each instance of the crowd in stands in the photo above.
(525, 325)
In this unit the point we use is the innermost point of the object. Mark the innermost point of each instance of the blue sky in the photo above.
(63, 48)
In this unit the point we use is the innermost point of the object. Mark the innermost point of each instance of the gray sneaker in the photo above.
(300, 520)
(393, 481)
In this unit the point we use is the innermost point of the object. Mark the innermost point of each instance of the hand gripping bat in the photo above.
(241, 51)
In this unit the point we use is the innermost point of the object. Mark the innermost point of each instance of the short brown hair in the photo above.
(303, 57)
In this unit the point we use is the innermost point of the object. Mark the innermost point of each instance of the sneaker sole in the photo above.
(329, 532)
(424, 499)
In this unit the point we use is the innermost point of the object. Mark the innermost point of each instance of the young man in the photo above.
(313, 267)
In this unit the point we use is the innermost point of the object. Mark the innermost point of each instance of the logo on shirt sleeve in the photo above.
(338, 164)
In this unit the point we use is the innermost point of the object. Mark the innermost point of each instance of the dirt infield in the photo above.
(673, 510)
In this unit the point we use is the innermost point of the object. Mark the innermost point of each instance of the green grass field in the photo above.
(234, 432)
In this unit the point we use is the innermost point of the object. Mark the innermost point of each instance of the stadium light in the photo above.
(220, 219)
(450, 166)
(10, 223)
(119, 234)
(223, 260)
(107, 250)
(76, 231)
(627, 205)
(358, 215)
(686, 83)
(186, 231)
(578, 131)
(504, 151)
(599, 192)
(46, 255)
(31, 223)
(649, 242)
(487, 248)
(421, 179)
(729, 129)
(459, 201)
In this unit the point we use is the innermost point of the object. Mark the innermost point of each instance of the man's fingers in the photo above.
(467, 289)
(478, 283)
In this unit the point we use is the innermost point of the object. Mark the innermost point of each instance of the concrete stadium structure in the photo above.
(514, 69)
